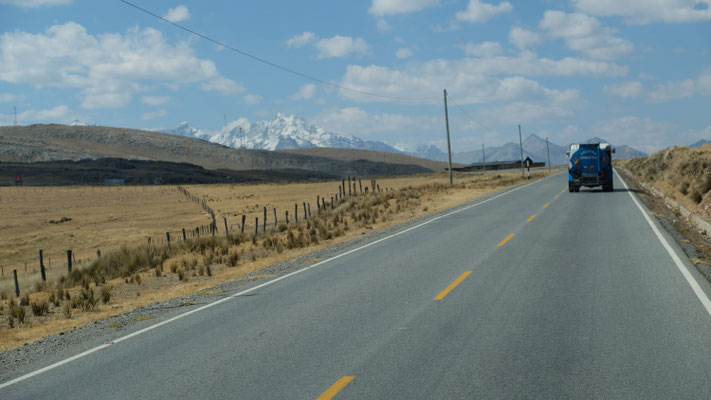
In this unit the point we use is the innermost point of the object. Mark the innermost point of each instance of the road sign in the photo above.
(18, 180)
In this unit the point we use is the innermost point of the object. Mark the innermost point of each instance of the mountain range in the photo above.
(292, 132)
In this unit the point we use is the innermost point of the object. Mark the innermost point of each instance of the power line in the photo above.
(271, 64)
(468, 115)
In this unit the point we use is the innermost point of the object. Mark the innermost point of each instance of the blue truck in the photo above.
(590, 166)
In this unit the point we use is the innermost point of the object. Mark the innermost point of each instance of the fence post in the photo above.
(309, 210)
(197, 232)
(331, 202)
(318, 204)
(323, 204)
(275, 217)
(343, 184)
(296, 213)
(44, 277)
(227, 230)
(256, 226)
(17, 285)
(167, 238)
(264, 224)
(378, 188)
(69, 261)
(360, 186)
(339, 189)
(244, 217)
(184, 236)
(305, 214)
(287, 217)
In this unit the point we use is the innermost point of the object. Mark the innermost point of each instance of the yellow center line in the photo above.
(556, 196)
(503, 242)
(562, 191)
(335, 388)
(452, 285)
(531, 218)
(546, 205)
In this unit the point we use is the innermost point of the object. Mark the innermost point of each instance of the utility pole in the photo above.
(14, 112)
(241, 134)
(520, 143)
(549, 155)
(449, 147)
(483, 157)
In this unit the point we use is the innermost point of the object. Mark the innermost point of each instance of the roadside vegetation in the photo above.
(131, 276)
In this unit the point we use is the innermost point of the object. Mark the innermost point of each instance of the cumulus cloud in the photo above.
(644, 11)
(106, 68)
(10, 97)
(147, 116)
(341, 46)
(305, 92)
(478, 11)
(155, 100)
(59, 114)
(403, 53)
(625, 89)
(585, 34)
(251, 99)
(485, 49)
(472, 76)
(301, 40)
(354, 120)
(671, 91)
(523, 39)
(177, 14)
(380, 8)
(382, 25)
(36, 3)
(646, 134)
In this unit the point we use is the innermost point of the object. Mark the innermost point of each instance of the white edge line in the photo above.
(214, 303)
(700, 294)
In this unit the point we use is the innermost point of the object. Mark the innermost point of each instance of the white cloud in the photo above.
(301, 40)
(307, 91)
(341, 46)
(625, 89)
(252, 99)
(585, 34)
(523, 39)
(485, 49)
(153, 115)
(355, 121)
(382, 25)
(177, 14)
(646, 11)
(36, 3)
(10, 97)
(155, 100)
(470, 76)
(403, 53)
(388, 7)
(106, 68)
(57, 114)
(222, 85)
(671, 91)
(478, 11)
(703, 82)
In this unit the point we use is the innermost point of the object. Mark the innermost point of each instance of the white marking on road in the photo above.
(252, 289)
(700, 294)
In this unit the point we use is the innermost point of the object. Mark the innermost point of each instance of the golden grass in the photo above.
(169, 208)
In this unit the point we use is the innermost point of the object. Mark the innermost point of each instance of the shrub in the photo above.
(67, 310)
(4, 295)
(209, 271)
(695, 196)
(17, 312)
(84, 300)
(54, 299)
(40, 286)
(40, 308)
(106, 293)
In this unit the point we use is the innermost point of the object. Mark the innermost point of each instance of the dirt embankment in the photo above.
(682, 174)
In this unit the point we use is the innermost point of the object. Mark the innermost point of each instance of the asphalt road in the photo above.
(583, 301)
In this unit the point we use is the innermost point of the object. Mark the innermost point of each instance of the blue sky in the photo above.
(630, 71)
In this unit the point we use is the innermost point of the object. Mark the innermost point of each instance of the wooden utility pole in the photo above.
(483, 157)
(449, 147)
(520, 143)
(549, 155)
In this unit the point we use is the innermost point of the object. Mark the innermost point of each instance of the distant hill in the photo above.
(63, 142)
(375, 156)
(700, 143)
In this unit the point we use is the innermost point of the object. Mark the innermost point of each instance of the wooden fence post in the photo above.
(339, 189)
(318, 204)
(331, 202)
(360, 186)
(287, 217)
(264, 224)
(305, 214)
(44, 277)
(244, 217)
(323, 204)
(349, 186)
(167, 238)
(227, 230)
(17, 285)
(309, 210)
(256, 226)
(197, 232)
(378, 188)
(343, 185)
(69, 261)
(184, 235)
(354, 187)
(275, 217)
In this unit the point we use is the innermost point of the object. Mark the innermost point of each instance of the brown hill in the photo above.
(62, 142)
(375, 156)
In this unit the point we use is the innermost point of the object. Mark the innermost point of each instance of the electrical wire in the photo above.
(271, 64)
(467, 114)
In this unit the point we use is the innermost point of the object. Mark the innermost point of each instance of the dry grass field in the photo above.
(131, 272)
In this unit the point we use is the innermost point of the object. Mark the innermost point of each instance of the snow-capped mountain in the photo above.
(282, 132)
(76, 122)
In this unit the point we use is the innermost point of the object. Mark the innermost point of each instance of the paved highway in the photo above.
(536, 293)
